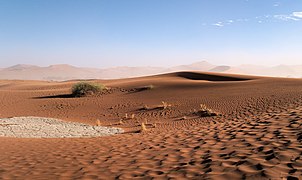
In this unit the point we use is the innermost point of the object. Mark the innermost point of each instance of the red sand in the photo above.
(258, 135)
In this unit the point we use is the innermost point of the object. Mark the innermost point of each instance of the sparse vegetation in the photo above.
(145, 107)
(132, 116)
(85, 88)
(148, 87)
(165, 105)
(98, 122)
(183, 118)
(126, 117)
(154, 125)
(205, 111)
(143, 127)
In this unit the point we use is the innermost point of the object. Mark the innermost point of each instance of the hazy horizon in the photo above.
(150, 33)
(175, 65)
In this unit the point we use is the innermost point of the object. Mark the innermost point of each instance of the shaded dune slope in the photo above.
(212, 77)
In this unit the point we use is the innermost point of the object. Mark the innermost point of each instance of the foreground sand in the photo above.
(259, 134)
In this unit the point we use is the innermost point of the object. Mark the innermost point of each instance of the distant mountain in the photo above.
(282, 70)
(198, 66)
(297, 68)
(277, 71)
(60, 72)
(21, 67)
(53, 72)
(124, 72)
(220, 69)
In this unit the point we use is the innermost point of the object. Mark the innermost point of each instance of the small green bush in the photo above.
(85, 88)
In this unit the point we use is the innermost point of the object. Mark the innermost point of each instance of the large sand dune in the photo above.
(257, 136)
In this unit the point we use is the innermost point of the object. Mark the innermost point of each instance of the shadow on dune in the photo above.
(56, 96)
(209, 77)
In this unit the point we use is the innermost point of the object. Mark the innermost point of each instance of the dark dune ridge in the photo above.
(211, 77)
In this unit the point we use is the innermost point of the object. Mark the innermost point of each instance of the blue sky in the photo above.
(105, 33)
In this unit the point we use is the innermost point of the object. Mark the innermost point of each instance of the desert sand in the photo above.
(257, 135)
(38, 127)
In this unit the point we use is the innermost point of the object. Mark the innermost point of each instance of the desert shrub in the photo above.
(98, 122)
(183, 118)
(145, 107)
(143, 127)
(205, 111)
(86, 88)
(143, 88)
(132, 116)
(148, 87)
(165, 105)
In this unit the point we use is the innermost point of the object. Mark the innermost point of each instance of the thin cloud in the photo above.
(219, 24)
(224, 23)
(284, 17)
(295, 16)
(277, 4)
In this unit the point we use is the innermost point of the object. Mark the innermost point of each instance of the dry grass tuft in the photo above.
(145, 107)
(154, 125)
(205, 111)
(143, 127)
(183, 118)
(148, 87)
(98, 122)
(165, 105)
(121, 122)
(132, 116)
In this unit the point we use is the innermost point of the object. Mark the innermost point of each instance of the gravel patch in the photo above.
(38, 127)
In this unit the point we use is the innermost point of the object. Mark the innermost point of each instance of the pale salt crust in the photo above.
(39, 127)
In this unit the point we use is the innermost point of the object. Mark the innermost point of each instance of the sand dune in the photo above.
(257, 134)
(211, 77)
